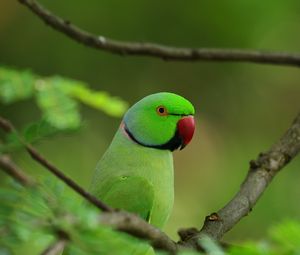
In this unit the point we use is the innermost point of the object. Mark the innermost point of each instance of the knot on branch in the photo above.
(213, 217)
(67, 22)
(270, 161)
(187, 233)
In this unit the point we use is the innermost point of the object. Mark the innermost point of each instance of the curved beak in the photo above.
(186, 129)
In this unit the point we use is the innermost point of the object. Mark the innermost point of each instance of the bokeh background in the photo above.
(241, 108)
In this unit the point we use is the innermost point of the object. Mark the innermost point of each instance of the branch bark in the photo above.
(156, 50)
(8, 128)
(141, 229)
(67, 180)
(9, 167)
(261, 172)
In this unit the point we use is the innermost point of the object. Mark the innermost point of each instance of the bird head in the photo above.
(162, 120)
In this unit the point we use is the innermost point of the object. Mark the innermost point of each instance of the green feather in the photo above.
(123, 191)
(136, 178)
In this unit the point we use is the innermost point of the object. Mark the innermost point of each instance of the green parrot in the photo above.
(136, 172)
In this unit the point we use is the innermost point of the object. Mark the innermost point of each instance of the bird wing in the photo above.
(131, 193)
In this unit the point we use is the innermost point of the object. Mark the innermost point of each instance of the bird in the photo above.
(136, 172)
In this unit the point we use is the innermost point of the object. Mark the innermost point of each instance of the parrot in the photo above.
(136, 172)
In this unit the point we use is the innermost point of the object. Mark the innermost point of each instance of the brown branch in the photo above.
(9, 167)
(67, 180)
(261, 172)
(157, 50)
(130, 224)
(8, 127)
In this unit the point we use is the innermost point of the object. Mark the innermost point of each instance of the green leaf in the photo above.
(58, 109)
(15, 85)
(31, 134)
(251, 248)
(35, 214)
(38, 130)
(113, 106)
(287, 234)
(210, 246)
(54, 96)
(189, 252)
(100, 100)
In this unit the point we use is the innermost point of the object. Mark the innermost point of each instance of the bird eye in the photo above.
(161, 110)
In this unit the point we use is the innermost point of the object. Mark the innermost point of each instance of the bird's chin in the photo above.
(176, 142)
(183, 135)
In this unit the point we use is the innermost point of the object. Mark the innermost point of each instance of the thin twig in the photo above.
(261, 172)
(157, 50)
(8, 127)
(8, 166)
(67, 180)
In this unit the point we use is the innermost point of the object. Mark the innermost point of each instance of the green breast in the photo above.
(136, 178)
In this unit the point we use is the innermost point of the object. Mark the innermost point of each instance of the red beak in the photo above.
(186, 129)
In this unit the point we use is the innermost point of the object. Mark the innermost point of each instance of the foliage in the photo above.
(32, 217)
(58, 99)
(284, 239)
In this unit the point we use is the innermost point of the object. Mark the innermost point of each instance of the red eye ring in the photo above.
(161, 110)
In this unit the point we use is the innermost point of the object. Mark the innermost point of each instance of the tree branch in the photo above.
(8, 166)
(157, 50)
(67, 180)
(261, 172)
(8, 127)
(139, 228)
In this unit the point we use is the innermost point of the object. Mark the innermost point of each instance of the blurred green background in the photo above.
(241, 108)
